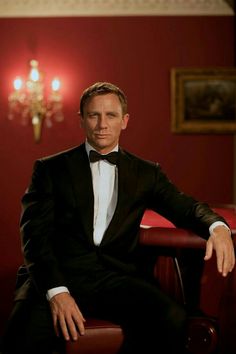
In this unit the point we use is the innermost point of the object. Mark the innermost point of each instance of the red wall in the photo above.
(135, 53)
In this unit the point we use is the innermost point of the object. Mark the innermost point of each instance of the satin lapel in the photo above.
(81, 178)
(127, 184)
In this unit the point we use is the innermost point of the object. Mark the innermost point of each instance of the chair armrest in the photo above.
(171, 237)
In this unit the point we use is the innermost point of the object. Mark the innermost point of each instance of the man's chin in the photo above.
(102, 144)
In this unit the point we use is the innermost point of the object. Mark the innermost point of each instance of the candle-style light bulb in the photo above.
(56, 84)
(34, 72)
(17, 83)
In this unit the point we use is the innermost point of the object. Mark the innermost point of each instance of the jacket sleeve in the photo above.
(37, 231)
(182, 210)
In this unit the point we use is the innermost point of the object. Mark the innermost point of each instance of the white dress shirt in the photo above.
(105, 191)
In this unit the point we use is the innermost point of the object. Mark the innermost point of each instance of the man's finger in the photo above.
(209, 250)
(228, 262)
(55, 324)
(64, 328)
(221, 262)
(72, 328)
(80, 325)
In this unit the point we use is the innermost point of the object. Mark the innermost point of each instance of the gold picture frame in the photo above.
(203, 100)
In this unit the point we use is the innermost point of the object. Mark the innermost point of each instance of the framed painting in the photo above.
(203, 100)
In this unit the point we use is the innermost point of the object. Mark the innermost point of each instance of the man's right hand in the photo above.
(67, 317)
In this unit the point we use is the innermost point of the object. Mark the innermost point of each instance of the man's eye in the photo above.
(111, 115)
(92, 115)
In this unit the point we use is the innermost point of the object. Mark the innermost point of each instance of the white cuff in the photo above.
(217, 223)
(54, 291)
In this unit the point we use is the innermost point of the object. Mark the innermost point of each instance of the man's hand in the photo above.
(220, 240)
(66, 316)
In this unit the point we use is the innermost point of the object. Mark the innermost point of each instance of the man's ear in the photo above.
(81, 120)
(125, 121)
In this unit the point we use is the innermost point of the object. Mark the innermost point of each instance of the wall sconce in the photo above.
(28, 102)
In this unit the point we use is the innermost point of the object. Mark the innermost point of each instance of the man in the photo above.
(79, 227)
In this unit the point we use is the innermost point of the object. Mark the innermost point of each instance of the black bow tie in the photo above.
(112, 157)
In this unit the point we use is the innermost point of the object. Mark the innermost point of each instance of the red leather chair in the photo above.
(182, 273)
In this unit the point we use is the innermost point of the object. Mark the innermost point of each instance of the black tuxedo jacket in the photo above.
(57, 217)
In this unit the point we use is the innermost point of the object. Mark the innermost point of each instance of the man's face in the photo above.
(103, 121)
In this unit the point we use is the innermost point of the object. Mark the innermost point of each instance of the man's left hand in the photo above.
(220, 240)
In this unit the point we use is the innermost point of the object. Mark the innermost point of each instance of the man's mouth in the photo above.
(101, 135)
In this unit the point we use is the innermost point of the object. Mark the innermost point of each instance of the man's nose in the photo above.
(102, 122)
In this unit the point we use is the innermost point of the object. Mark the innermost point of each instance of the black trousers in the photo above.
(151, 321)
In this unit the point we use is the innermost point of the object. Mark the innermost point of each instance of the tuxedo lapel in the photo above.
(81, 178)
(126, 178)
(127, 184)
